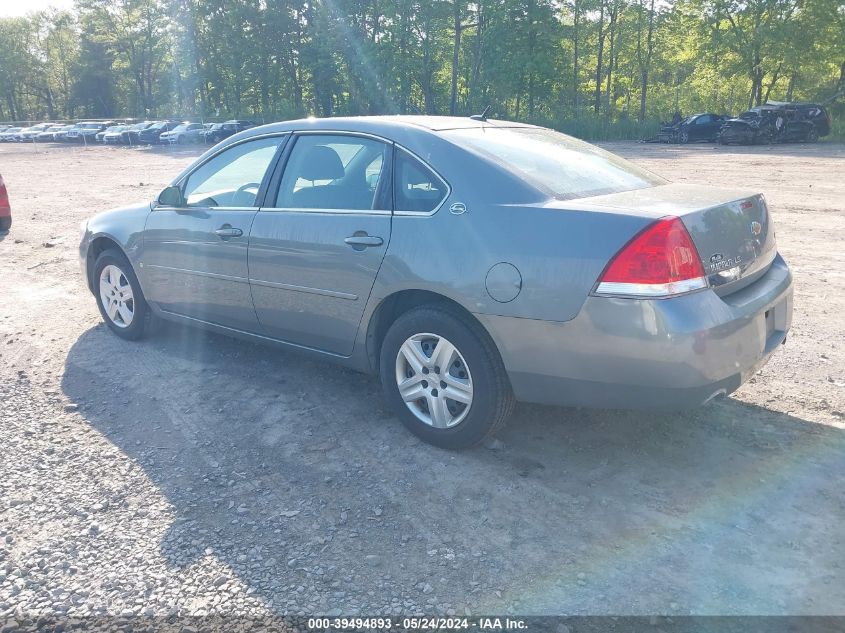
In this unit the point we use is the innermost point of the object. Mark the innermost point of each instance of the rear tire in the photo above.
(119, 297)
(411, 353)
(812, 135)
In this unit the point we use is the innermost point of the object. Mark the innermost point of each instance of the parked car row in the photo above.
(775, 122)
(125, 132)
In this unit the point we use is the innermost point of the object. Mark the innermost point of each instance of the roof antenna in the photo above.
(482, 116)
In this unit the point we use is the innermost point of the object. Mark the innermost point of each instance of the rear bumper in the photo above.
(629, 353)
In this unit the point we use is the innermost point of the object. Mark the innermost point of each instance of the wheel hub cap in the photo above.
(116, 296)
(434, 380)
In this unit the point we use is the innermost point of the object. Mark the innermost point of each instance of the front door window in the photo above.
(233, 177)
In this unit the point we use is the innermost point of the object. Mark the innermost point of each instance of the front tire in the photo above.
(119, 295)
(444, 378)
(683, 137)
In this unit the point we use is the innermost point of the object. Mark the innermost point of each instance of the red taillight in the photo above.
(4, 196)
(660, 261)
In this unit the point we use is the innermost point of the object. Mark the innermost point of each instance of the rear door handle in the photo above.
(226, 231)
(364, 241)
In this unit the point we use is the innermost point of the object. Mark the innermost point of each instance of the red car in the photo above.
(5, 209)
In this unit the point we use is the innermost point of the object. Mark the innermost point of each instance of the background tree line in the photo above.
(598, 67)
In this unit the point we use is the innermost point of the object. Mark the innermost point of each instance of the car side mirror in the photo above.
(171, 197)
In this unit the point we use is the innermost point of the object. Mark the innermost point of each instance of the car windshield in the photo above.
(565, 167)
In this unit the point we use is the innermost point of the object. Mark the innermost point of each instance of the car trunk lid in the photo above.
(731, 229)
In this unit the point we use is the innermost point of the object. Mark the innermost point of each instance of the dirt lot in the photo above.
(195, 474)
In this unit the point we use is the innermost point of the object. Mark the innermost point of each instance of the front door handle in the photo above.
(227, 231)
(363, 241)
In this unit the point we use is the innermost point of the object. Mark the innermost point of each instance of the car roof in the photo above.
(795, 104)
(384, 124)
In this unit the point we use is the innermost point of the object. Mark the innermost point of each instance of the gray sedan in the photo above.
(470, 263)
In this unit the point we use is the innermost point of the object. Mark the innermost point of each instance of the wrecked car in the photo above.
(777, 122)
(698, 127)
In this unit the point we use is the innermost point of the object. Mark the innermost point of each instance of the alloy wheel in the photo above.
(434, 380)
(116, 296)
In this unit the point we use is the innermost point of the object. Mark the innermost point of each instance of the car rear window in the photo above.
(559, 164)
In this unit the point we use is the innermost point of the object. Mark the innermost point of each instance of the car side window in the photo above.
(232, 178)
(333, 172)
(703, 119)
(416, 187)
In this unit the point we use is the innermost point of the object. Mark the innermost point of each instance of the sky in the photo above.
(22, 7)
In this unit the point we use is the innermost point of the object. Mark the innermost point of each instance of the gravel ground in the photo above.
(192, 474)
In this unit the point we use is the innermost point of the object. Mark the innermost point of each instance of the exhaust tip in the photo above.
(719, 393)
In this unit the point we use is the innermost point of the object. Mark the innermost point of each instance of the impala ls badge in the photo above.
(756, 228)
(719, 262)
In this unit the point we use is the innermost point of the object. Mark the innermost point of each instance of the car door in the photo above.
(700, 130)
(711, 131)
(316, 248)
(194, 256)
(716, 127)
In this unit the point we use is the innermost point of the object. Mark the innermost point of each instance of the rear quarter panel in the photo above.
(559, 255)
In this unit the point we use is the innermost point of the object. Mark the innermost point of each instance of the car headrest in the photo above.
(321, 163)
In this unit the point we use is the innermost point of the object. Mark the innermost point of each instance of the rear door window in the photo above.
(333, 172)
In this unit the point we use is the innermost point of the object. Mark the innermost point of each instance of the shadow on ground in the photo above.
(728, 509)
